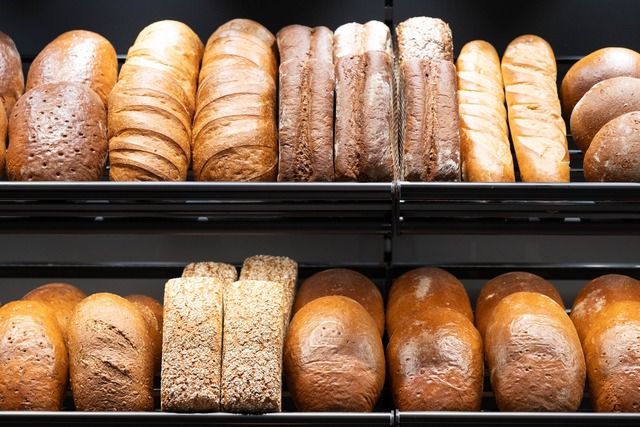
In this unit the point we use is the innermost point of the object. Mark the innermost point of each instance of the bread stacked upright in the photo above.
(11, 87)
(235, 135)
(429, 128)
(365, 128)
(151, 107)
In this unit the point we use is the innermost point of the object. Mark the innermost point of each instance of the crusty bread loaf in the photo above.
(346, 282)
(430, 129)
(151, 107)
(436, 363)
(62, 298)
(596, 295)
(605, 101)
(225, 272)
(281, 269)
(235, 136)
(533, 355)
(614, 152)
(485, 149)
(306, 101)
(333, 357)
(12, 81)
(601, 64)
(148, 307)
(4, 130)
(253, 340)
(110, 356)
(365, 144)
(612, 353)
(506, 284)
(423, 288)
(77, 56)
(192, 344)
(58, 132)
(538, 132)
(34, 365)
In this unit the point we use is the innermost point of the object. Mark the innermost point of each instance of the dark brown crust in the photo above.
(58, 132)
(12, 77)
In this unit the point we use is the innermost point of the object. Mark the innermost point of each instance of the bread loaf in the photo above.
(436, 363)
(34, 366)
(533, 355)
(605, 101)
(234, 129)
(110, 356)
(62, 299)
(148, 310)
(346, 282)
(58, 132)
(12, 81)
(537, 129)
(485, 149)
(307, 87)
(154, 305)
(596, 295)
(424, 288)
(225, 272)
(333, 357)
(151, 107)
(506, 284)
(601, 64)
(253, 340)
(613, 155)
(365, 144)
(430, 131)
(4, 130)
(612, 353)
(77, 56)
(192, 344)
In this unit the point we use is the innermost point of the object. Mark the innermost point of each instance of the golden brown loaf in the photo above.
(533, 355)
(506, 284)
(253, 340)
(599, 65)
(605, 101)
(154, 305)
(12, 81)
(62, 298)
(58, 132)
(612, 352)
(110, 356)
(485, 149)
(346, 282)
(151, 107)
(34, 365)
(192, 344)
(436, 363)
(614, 152)
(430, 128)
(235, 136)
(333, 357)
(537, 129)
(306, 92)
(154, 328)
(423, 288)
(4, 130)
(77, 56)
(365, 143)
(596, 295)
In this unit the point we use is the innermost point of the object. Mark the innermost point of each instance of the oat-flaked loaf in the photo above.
(58, 132)
(12, 81)
(485, 148)
(365, 144)
(306, 102)
(110, 356)
(253, 340)
(192, 344)
(333, 357)
(436, 363)
(77, 56)
(225, 272)
(34, 366)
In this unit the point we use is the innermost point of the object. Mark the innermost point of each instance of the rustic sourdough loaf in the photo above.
(12, 81)
(152, 314)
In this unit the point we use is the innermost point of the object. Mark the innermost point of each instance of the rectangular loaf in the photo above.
(253, 341)
(192, 344)
(225, 272)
